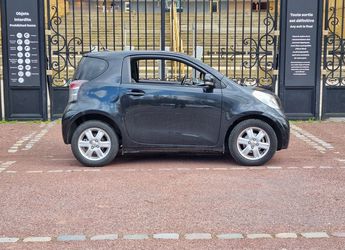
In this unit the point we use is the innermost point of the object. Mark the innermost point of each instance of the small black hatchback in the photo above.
(155, 101)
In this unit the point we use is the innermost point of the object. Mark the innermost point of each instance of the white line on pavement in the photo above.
(163, 170)
(176, 236)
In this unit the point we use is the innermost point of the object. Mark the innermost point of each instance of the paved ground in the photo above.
(49, 201)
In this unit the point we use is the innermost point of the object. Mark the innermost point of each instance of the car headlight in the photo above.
(267, 99)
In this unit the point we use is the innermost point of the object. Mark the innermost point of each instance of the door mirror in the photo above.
(209, 81)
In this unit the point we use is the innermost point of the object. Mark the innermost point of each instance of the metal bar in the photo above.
(138, 28)
(243, 13)
(276, 41)
(251, 37)
(154, 36)
(58, 37)
(227, 37)
(342, 42)
(188, 10)
(172, 42)
(180, 40)
(90, 21)
(195, 27)
(82, 26)
(113, 29)
(211, 37)
(219, 23)
(235, 37)
(162, 76)
(49, 49)
(98, 42)
(334, 35)
(325, 51)
(146, 34)
(130, 24)
(74, 37)
(105, 23)
(122, 31)
(266, 45)
(203, 28)
(258, 45)
(66, 39)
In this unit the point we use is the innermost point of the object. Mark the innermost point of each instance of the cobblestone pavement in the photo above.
(164, 201)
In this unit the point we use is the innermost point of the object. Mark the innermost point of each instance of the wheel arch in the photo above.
(97, 116)
(261, 117)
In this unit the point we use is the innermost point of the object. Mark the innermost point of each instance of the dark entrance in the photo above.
(231, 37)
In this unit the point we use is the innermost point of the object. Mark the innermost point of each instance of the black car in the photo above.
(155, 101)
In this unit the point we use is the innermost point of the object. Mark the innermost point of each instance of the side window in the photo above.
(89, 68)
(175, 72)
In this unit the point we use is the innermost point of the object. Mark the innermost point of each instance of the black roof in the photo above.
(119, 55)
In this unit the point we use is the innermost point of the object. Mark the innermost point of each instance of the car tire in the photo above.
(94, 144)
(252, 142)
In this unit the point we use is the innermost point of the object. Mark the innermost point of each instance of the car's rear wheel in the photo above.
(252, 142)
(95, 144)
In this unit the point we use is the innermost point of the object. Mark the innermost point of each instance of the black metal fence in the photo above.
(237, 37)
(334, 58)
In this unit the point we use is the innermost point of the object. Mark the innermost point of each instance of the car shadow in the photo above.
(173, 158)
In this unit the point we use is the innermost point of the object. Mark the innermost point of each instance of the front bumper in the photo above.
(284, 131)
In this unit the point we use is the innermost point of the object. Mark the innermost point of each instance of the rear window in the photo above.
(89, 68)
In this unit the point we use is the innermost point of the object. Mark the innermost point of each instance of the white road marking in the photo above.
(20, 142)
(176, 236)
(5, 165)
(31, 139)
(133, 170)
(311, 139)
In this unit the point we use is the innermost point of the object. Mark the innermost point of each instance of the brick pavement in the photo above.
(49, 201)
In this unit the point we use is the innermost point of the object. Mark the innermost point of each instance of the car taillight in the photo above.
(74, 88)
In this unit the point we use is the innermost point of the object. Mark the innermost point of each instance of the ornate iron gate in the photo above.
(334, 59)
(237, 37)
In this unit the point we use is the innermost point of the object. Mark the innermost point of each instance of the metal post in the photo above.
(162, 64)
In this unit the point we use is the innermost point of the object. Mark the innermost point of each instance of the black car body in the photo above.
(156, 115)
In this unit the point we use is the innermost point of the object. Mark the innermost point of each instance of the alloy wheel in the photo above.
(94, 144)
(253, 143)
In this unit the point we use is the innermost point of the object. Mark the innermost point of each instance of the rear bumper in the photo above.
(67, 123)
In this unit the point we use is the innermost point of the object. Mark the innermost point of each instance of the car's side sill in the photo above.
(172, 150)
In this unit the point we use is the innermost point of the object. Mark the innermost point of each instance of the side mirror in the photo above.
(209, 81)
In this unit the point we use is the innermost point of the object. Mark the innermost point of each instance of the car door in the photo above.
(162, 113)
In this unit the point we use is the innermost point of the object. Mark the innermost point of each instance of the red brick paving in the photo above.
(114, 201)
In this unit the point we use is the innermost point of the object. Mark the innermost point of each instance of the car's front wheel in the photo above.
(95, 144)
(252, 142)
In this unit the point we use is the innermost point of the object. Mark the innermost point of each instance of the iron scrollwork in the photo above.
(261, 55)
(64, 51)
(334, 61)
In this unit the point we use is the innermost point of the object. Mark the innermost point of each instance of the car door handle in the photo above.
(136, 92)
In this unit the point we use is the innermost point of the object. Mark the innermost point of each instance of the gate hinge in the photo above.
(277, 32)
(48, 32)
(49, 72)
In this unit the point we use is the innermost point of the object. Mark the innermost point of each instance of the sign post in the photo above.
(24, 59)
(300, 57)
